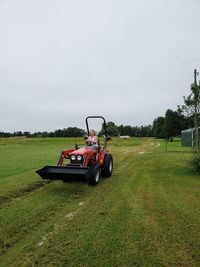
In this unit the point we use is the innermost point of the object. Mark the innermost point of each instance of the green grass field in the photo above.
(146, 214)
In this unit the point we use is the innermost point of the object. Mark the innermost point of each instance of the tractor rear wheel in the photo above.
(108, 166)
(94, 175)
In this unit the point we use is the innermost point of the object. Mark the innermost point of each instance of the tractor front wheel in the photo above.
(108, 166)
(94, 175)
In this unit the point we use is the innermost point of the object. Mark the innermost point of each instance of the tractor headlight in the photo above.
(73, 157)
(79, 157)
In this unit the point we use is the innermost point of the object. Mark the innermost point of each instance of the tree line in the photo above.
(66, 132)
(170, 125)
(112, 129)
(115, 130)
(163, 127)
(184, 117)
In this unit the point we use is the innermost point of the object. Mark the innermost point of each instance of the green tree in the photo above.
(192, 107)
(159, 127)
(173, 123)
(112, 129)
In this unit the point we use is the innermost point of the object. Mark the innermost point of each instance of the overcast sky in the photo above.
(61, 60)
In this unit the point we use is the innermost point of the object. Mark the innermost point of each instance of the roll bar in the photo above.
(96, 117)
(104, 127)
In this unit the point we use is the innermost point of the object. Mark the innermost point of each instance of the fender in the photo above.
(102, 157)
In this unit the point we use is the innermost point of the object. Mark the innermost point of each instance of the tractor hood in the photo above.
(81, 151)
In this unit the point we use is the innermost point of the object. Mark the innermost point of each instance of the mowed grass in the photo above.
(146, 214)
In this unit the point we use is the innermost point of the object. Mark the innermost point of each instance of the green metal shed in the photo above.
(187, 137)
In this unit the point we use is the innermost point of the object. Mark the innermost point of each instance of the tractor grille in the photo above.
(76, 161)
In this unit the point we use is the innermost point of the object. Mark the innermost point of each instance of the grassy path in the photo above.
(146, 214)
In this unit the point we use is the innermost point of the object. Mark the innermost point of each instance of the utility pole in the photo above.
(196, 100)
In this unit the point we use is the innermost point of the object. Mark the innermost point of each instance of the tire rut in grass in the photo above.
(16, 195)
(18, 234)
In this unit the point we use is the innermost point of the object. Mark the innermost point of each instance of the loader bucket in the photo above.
(65, 173)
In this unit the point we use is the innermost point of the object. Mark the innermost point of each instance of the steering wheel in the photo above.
(89, 143)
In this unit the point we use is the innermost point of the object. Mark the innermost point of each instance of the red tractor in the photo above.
(85, 163)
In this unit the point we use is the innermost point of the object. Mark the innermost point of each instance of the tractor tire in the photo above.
(94, 175)
(108, 166)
